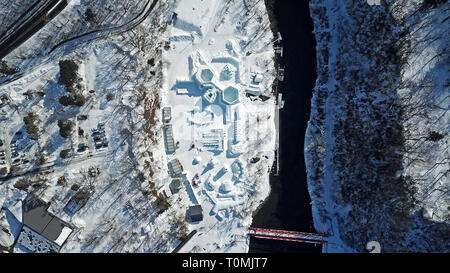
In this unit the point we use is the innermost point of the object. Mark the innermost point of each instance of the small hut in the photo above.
(195, 213)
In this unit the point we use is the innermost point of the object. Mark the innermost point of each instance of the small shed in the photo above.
(168, 136)
(175, 167)
(195, 213)
(175, 185)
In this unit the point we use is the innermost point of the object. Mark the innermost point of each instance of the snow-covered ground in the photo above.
(209, 35)
(377, 141)
(121, 213)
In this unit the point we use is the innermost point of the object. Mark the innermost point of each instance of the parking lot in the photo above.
(99, 136)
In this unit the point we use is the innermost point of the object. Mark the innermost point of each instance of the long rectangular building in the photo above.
(168, 138)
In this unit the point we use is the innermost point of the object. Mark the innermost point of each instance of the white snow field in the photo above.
(122, 210)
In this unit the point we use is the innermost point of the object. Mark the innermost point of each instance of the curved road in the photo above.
(32, 24)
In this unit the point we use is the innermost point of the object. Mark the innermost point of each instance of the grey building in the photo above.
(36, 242)
(42, 231)
(175, 168)
(168, 138)
(195, 213)
(175, 185)
(166, 114)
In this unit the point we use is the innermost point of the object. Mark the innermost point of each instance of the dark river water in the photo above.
(288, 206)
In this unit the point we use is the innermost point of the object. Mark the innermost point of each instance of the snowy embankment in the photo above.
(377, 141)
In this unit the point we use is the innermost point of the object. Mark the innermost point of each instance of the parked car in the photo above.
(24, 161)
(81, 147)
(98, 144)
(99, 137)
(17, 160)
(16, 154)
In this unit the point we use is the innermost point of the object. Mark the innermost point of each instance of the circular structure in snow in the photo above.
(230, 95)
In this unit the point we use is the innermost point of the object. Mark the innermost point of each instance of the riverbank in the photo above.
(288, 205)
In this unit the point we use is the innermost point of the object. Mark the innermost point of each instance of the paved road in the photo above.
(24, 16)
(31, 25)
(50, 166)
(93, 35)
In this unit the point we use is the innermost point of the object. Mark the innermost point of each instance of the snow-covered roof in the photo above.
(210, 95)
(40, 221)
(63, 235)
(226, 187)
(35, 242)
(166, 114)
(258, 78)
(176, 167)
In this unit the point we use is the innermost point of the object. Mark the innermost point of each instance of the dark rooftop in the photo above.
(195, 209)
(196, 213)
(36, 217)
